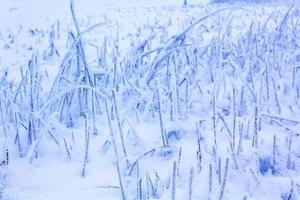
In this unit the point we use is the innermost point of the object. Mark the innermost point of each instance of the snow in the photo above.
(218, 99)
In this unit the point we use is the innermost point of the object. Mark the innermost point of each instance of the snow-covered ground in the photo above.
(157, 101)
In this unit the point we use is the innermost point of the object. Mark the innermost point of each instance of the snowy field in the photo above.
(138, 99)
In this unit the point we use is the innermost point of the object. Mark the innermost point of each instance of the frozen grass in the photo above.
(209, 111)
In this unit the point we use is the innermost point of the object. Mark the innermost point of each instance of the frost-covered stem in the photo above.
(220, 170)
(94, 113)
(140, 191)
(178, 161)
(240, 145)
(62, 107)
(80, 101)
(292, 190)
(199, 87)
(139, 182)
(114, 71)
(115, 150)
(294, 75)
(79, 44)
(162, 130)
(191, 184)
(176, 92)
(214, 120)
(147, 186)
(199, 152)
(225, 124)
(276, 97)
(2, 119)
(67, 149)
(255, 135)
(6, 156)
(73, 137)
(186, 92)
(119, 125)
(137, 115)
(17, 139)
(234, 118)
(289, 164)
(267, 81)
(242, 106)
(174, 182)
(74, 16)
(274, 151)
(87, 144)
(210, 178)
(86, 99)
(233, 154)
(31, 125)
(280, 118)
(224, 179)
(172, 107)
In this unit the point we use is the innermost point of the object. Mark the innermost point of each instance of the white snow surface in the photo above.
(42, 168)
